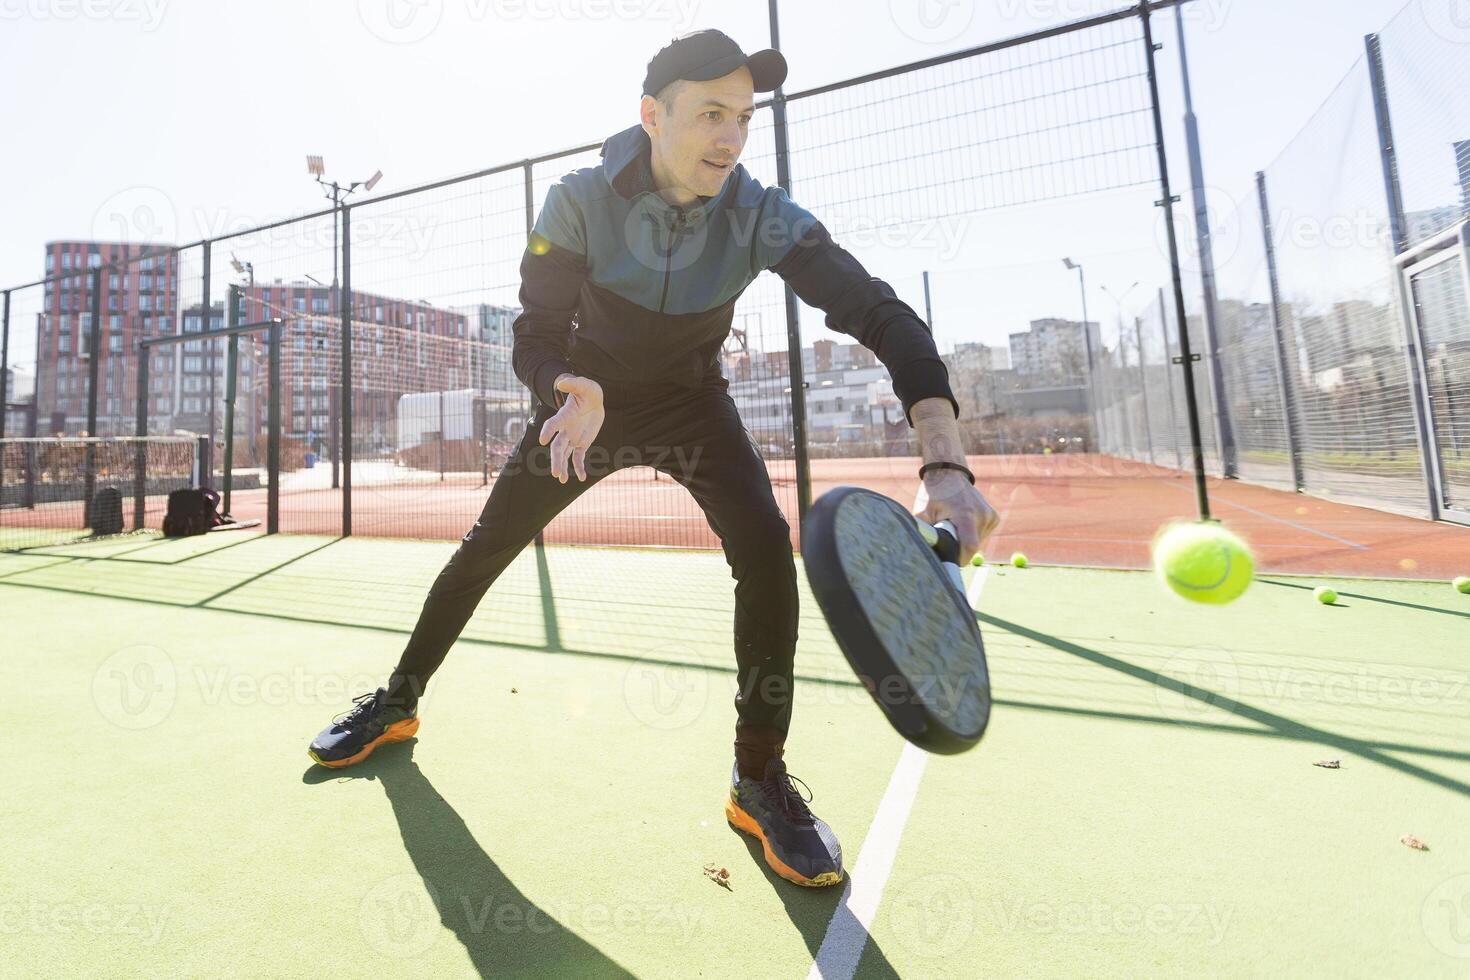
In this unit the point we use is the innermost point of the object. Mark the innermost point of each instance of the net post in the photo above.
(232, 356)
(793, 313)
(140, 429)
(1202, 496)
(28, 498)
(201, 461)
(273, 432)
(1288, 409)
(344, 420)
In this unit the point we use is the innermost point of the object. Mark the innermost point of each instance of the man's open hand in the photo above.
(574, 426)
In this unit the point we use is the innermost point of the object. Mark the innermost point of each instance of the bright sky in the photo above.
(204, 110)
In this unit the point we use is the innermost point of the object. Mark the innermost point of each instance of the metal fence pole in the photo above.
(793, 313)
(5, 364)
(232, 358)
(1288, 407)
(1186, 357)
(345, 419)
(206, 314)
(94, 370)
(1148, 424)
(1169, 381)
(273, 435)
(1224, 431)
(540, 538)
(1399, 224)
(140, 429)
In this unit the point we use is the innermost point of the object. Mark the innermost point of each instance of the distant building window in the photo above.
(319, 304)
(63, 343)
(299, 304)
(94, 260)
(114, 281)
(114, 322)
(66, 260)
(145, 302)
(50, 261)
(114, 344)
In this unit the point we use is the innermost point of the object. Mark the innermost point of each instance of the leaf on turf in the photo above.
(1409, 840)
(720, 876)
(514, 691)
(1329, 764)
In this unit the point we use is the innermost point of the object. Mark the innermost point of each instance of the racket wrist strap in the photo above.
(944, 464)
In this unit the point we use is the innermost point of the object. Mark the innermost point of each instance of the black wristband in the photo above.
(945, 464)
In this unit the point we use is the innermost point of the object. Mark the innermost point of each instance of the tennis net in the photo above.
(61, 489)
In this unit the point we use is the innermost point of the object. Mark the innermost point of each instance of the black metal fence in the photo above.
(1344, 341)
(397, 403)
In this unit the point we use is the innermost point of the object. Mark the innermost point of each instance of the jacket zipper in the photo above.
(669, 263)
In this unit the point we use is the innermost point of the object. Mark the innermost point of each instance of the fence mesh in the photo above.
(962, 183)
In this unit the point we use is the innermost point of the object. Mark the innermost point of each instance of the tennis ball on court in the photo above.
(1324, 595)
(979, 560)
(1203, 562)
(1019, 560)
(1462, 584)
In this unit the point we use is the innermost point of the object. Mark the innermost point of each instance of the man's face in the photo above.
(697, 140)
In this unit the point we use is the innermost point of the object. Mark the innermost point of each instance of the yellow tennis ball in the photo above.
(1324, 595)
(1462, 584)
(1019, 560)
(1203, 562)
(978, 560)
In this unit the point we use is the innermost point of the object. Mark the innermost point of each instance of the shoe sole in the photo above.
(399, 731)
(745, 823)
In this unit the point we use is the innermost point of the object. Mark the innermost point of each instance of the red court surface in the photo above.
(1070, 509)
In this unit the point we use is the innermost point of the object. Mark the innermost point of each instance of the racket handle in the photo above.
(946, 544)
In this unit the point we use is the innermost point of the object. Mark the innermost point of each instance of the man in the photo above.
(647, 254)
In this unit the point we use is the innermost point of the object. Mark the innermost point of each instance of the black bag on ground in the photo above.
(104, 514)
(191, 511)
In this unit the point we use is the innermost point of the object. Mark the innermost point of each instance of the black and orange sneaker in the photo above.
(352, 737)
(798, 845)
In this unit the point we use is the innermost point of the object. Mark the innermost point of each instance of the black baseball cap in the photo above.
(703, 55)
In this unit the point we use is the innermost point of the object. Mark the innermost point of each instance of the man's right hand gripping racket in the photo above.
(889, 585)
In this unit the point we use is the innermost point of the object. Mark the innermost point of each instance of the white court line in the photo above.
(847, 932)
(1281, 520)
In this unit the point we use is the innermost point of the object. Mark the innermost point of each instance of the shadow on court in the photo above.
(504, 932)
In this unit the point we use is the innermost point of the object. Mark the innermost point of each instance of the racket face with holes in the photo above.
(909, 635)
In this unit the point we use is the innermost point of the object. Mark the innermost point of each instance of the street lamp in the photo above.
(1087, 340)
(336, 193)
(1118, 301)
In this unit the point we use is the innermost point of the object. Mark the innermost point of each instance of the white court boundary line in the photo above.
(847, 931)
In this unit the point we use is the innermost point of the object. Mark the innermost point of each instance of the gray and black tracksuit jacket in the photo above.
(638, 294)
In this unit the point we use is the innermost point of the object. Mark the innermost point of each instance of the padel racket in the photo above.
(889, 585)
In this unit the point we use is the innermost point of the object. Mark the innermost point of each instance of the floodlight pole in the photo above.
(336, 193)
